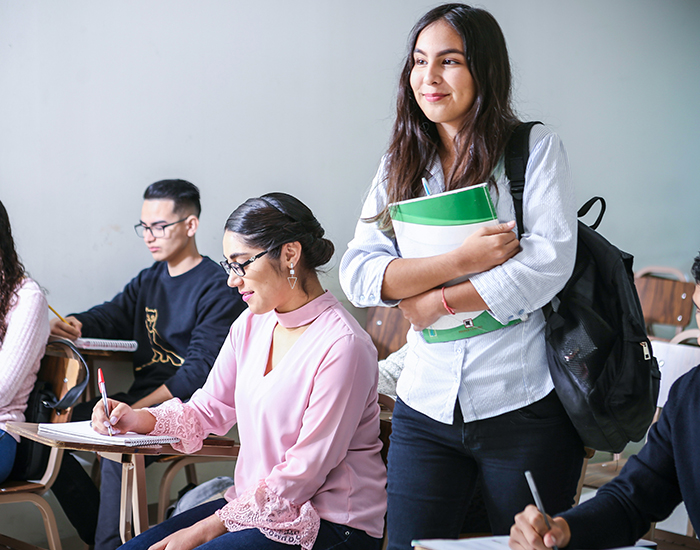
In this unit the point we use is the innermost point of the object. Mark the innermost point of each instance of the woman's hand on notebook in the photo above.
(122, 418)
(487, 247)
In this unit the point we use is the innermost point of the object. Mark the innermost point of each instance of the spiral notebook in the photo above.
(82, 432)
(106, 345)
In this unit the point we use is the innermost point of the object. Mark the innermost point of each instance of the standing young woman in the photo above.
(24, 330)
(485, 405)
(299, 376)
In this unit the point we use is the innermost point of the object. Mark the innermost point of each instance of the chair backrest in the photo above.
(689, 337)
(388, 327)
(64, 370)
(665, 301)
(61, 367)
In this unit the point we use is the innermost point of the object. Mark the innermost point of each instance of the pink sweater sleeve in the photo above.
(22, 349)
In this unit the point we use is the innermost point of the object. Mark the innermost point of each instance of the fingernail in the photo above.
(106, 424)
(113, 420)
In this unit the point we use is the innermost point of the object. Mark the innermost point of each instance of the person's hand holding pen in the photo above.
(530, 531)
(68, 327)
(122, 418)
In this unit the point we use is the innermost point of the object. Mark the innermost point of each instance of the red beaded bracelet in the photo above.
(450, 310)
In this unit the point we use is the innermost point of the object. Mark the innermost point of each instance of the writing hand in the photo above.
(530, 532)
(122, 418)
(63, 330)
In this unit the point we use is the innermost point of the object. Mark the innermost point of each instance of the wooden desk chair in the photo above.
(666, 299)
(689, 337)
(674, 361)
(62, 368)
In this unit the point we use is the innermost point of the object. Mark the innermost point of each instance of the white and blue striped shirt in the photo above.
(506, 369)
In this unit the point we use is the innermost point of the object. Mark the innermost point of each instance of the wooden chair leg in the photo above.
(48, 517)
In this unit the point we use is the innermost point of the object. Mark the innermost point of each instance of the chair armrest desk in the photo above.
(134, 504)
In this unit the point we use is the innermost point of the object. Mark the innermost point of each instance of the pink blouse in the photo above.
(309, 429)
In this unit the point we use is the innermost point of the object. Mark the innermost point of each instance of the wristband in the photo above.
(450, 310)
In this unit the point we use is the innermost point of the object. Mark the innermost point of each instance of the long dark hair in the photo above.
(481, 140)
(275, 219)
(11, 270)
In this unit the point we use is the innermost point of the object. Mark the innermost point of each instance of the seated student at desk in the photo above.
(665, 472)
(179, 311)
(299, 376)
(24, 330)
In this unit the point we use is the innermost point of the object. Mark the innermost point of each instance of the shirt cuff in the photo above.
(176, 419)
(274, 516)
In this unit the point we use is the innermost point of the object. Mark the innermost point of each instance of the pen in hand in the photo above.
(58, 315)
(103, 392)
(538, 500)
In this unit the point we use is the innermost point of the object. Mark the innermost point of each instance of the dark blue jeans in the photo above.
(330, 535)
(434, 467)
(8, 449)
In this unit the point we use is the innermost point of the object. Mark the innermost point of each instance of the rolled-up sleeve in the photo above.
(534, 276)
(369, 253)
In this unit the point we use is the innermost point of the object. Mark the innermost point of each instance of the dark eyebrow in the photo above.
(442, 53)
(159, 222)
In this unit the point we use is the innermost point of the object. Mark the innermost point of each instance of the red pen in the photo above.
(103, 391)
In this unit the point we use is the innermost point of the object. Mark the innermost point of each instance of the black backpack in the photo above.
(599, 356)
(32, 457)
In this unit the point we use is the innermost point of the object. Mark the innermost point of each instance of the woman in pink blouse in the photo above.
(24, 330)
(299, 376)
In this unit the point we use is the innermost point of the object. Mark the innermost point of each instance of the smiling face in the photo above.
(441, 82)
(264, 286)
(173, 245)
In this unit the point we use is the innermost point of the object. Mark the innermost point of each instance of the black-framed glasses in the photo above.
(239, 269)
(157, 231)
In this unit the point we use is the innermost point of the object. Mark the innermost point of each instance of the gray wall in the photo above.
(98, 99)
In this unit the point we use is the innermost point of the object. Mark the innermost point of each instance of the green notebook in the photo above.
(435, 224)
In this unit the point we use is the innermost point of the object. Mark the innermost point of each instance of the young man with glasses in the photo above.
(179, 311)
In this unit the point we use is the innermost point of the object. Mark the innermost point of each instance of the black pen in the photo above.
(538, 500)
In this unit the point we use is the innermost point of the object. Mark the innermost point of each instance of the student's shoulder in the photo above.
(542, 135)
(211, 268)
(344, 328)
(687, 387)
(29, 292)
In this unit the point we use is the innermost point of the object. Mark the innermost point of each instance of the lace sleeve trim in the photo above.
(275, 517)
(175, 418)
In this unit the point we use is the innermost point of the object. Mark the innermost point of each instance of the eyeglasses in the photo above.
(157, 231)
(239, 269)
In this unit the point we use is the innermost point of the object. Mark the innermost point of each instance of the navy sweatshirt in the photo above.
(652, 483)
(179, 323)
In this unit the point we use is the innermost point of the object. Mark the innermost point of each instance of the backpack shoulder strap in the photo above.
(517, 154)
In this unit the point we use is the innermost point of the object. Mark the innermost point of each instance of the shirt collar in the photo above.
(436, 177)
(306, 313)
